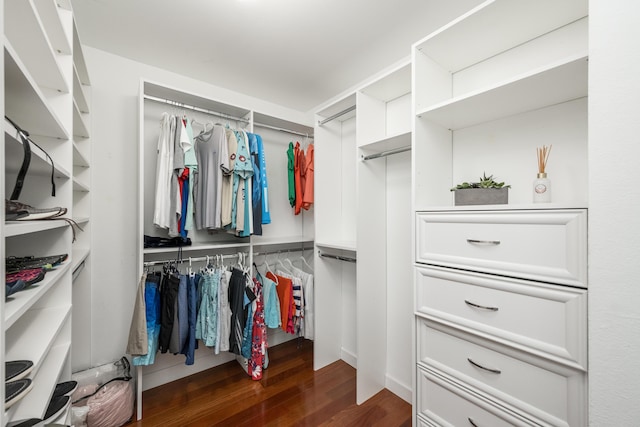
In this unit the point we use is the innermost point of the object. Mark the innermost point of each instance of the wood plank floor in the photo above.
(290, 394)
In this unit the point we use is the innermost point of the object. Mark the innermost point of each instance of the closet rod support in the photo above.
(338, 257)
(335, 116)
(386, 153)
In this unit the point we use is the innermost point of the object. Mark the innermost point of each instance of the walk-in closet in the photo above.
(266, 213)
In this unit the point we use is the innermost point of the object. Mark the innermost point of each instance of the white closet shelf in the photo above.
(284, 240)
(81, 219)
(78, 255)
(19, 304)
(392, 85)
(39, 165)
(198, 247)
(25, 102)
(78, 57)
(37, 400)
(79, 95)
(19, 228)
(193, 100)
(392, 142)
(79, 159)
(559, 82)
(275, 122)
(35, 50)
(80, 128)
(342, 245)
(52, 20)
(344, 104)
(507, 207)
(80, 186)
(493, 32)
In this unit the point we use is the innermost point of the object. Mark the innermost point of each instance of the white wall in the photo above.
(614, 208)
(115, 86)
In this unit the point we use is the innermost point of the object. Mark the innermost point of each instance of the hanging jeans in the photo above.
(152, 312)
(169, 295)
(190, 344)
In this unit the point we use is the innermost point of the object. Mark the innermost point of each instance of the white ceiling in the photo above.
(296, 53)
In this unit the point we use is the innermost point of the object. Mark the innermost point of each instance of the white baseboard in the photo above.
(401, 390)
(349, 357)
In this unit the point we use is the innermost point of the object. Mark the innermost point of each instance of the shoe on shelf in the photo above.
(16, 390)
(57, 405)
(17, 369)
(31, 422)
(65, 388)
(18, 211)
(29, 277)
(13, 287)
(14, 264)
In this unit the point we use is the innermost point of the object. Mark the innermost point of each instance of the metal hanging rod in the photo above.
(386, 153)
(223, 115)
(335, 116)
(224, 256)
(194, 108)
(338, 257)
(293, 132)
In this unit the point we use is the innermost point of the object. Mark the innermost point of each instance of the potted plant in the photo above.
(485, 192)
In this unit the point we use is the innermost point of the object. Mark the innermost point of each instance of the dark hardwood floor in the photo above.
(290, 394)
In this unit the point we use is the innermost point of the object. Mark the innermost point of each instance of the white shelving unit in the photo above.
(489, 88)
(38, 95)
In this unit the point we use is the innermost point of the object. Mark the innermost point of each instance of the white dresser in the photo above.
(501, 317)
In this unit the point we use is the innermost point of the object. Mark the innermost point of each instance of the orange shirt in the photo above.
(307, 198)
(284, 288)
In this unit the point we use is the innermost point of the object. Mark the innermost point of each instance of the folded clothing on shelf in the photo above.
(28, 276)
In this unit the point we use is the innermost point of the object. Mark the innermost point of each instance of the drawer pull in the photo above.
(484, 242)
(481, 307)
(472, 422)
(477, 365)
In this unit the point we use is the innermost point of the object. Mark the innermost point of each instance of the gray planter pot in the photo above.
(481, 196)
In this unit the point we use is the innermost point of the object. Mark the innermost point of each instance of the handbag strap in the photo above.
(26, 160)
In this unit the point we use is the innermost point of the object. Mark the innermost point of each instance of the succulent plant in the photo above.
(485, 182)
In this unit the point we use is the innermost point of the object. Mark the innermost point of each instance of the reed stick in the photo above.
(543, 157)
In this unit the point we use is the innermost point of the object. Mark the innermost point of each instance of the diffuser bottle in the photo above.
(541, 189)
(542, 184)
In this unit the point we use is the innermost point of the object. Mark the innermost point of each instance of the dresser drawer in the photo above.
(546, 320)
(442, 402)
(547, 391)
(545, 245)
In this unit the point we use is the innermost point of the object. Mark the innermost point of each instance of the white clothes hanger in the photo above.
(304, 260)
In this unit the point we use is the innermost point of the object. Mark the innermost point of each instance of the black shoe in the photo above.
(57, 405)
(15, 390)
(17, 369)
(65, 388)
(31, 422)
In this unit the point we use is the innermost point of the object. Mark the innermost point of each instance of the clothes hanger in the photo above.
(304, 260)
(282, 265)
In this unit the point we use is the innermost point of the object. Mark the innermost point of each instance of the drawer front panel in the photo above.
(546, 320)
(546, 245)
(546, 390)
(444, 404)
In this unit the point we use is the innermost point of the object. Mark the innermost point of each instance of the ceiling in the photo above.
(296, 53)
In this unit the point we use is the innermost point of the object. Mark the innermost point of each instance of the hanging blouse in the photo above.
(164, 171)
(307, 193)
(291, 175)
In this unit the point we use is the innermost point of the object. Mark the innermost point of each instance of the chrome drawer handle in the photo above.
(484, 242)
(481, 307)
(477, 365)
(472, 422)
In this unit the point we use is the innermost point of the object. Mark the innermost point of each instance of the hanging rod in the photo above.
(335, 116)
(293, 132)
(386, 153)
(194, 108)
(338, 257)
(223, 115)
(224, 256)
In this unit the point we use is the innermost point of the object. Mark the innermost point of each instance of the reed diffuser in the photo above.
(542, 184)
